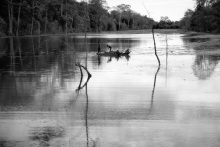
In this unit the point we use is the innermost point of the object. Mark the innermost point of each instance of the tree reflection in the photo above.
(204, 66)
(46, 134)
(29, 65)
(206, 59)
(127, 57)
(86, 116)
(99, 60)
(7, 143)
(12, 55)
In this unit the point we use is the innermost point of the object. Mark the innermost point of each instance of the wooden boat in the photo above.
(114, 53)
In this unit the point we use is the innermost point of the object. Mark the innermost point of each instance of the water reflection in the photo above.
(206, 59)
(44, 99)
(109, 58)
(45, 135)
(195, 40)
(33, 67)
(80, 87)
(118, 43)
(89, 140)
(99, 60)
(28, 55)
(167, 53)
(4, 143)
(155, 81)
(86, 116)
(204, 66)
(150, 110)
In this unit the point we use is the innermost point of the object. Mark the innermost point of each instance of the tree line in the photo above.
(31, 17)
(205, 17)
(166, 23)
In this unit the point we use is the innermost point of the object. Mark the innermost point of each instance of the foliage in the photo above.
(166, 23)
(2, 27)
(186, 20)
(27, 17)
(205, 18)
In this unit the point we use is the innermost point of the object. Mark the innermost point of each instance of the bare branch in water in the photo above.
(78, 64)
(155, 48)
(79, 87)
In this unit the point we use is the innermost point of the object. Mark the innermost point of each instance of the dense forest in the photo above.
(29, 17)
(205, 17)
(35, 17)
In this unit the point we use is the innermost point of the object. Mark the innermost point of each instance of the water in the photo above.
(128, 101)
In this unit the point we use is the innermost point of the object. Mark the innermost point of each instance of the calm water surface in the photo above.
(128, 101)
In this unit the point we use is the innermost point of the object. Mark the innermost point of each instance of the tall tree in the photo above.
(122, 8)
(186, 20)
(46, 12)
(61, 7)
(66, 28)
(10, 16)
(32, 17)
(19, 15)
(97, 11)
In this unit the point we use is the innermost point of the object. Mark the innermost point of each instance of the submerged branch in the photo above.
(80, 87)
(78, 64)
(80, 83)
(89, 76)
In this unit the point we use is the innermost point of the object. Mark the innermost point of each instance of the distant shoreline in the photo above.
(147, 31)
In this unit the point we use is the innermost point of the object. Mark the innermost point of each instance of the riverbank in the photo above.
(147, 31)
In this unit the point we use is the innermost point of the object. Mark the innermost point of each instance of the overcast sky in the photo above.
(174, 9)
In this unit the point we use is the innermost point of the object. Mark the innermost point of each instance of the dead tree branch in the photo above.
(155, 48)
(78, 64)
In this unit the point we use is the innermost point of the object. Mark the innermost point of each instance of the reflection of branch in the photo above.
(109, 59)
(155, 80)
(79, 87)
(80, 83)
(85, 84)
(99, 60)
(166, 58)
(86, 116)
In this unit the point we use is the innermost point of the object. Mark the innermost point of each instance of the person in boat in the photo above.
(127, 51)
(118, 53)
(110, 48)
(99, 48)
